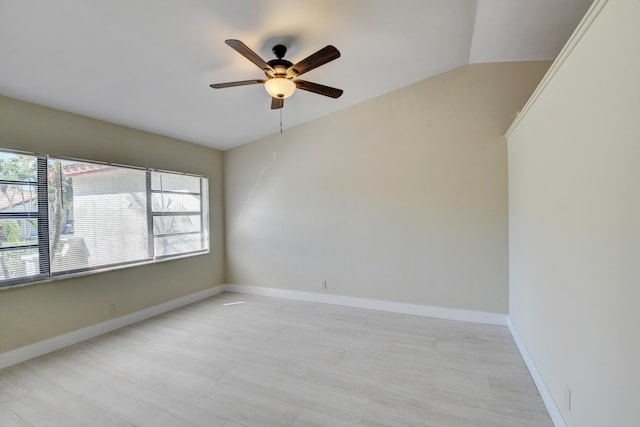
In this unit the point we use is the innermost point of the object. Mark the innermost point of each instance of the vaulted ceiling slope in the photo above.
(147, 64)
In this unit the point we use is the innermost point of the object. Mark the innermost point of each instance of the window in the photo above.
(23, 210)
(178, 214)
(97, 215)
(60, 216)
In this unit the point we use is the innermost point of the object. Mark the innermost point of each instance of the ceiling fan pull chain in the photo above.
(281, 121)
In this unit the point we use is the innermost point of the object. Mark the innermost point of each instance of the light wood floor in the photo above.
(274, 362)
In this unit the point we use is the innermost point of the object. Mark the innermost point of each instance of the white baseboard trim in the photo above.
(374, 304)
(22, 354)
(547, 398)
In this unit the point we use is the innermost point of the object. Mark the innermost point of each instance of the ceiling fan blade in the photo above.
(245, 51)
(321, 57)
(319, 89)
(232, 84)
(277, 103)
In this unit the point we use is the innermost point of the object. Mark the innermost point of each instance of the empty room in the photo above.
(319, 213)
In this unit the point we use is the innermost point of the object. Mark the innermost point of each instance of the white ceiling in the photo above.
(148, 64)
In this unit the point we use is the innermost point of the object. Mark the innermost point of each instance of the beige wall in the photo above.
(574, 202)
(38, 312)
(401, 198)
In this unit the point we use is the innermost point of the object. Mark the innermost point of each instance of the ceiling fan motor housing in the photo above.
(280, 66)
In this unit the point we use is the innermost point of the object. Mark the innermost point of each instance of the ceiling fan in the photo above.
(280, 83)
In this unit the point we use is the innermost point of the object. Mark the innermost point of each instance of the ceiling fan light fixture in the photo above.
(280, 87)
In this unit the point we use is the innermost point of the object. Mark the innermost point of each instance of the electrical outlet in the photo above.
(324, 284)
(567, 397)
(113, 308)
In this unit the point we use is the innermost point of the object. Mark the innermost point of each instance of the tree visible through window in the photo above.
(19, 214)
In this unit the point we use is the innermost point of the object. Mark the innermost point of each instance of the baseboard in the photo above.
(43, 347)
(547, 398)
(374, 304)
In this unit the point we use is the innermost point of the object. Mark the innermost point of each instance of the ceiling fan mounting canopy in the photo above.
(279, 51)
(280, 83)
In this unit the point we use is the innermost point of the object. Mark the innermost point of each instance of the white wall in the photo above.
(574, 213)
(401, 198)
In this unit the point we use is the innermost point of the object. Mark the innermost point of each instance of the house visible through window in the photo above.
(60, 216)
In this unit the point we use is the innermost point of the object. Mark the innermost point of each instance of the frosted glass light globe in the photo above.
(280, 87)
